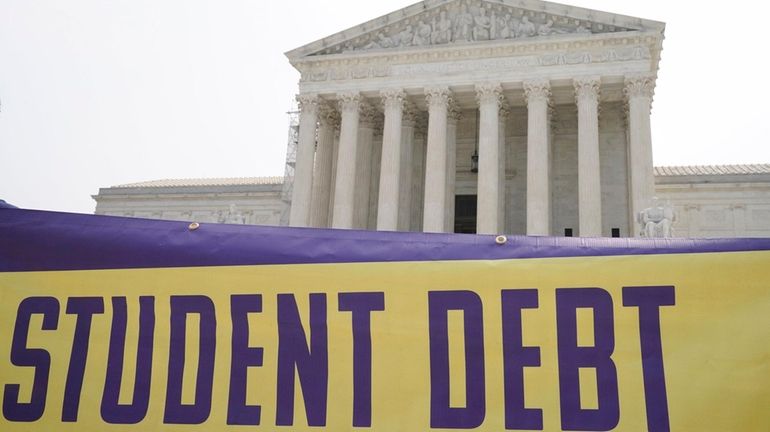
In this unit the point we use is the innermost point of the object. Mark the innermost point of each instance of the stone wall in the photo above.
(719, 209)
(254, 205)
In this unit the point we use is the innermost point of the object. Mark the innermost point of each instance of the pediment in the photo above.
(436, 23)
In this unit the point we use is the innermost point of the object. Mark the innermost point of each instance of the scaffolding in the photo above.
(288, 173)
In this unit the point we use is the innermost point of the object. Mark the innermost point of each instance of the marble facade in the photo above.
(555, 100)
(531, 117)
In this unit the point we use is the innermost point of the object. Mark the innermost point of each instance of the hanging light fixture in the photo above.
(475, 155)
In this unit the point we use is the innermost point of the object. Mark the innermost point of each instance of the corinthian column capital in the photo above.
(308, 102)
(537, 90)
(489, 93)
(349, 101)
(438, 96)
(368, 114)
(393, 98)
(328, 115)
(639, 86)
(454, 114)
(587, 88)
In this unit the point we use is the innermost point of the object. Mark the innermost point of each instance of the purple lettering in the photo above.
(37, 358)
(442, 415)
(176, 412)
(361, 305)
(243, 357)
(111, 410)
(312, 363)
(649, 299)
(515, 358)
(573, 357)
(84, 308)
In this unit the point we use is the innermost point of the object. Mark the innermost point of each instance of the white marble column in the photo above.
(363, 166)
(501, 156)
(589, 167)
(538, 94)
(454, 116)
(418, 174)
(333, 181)
(638, 91)
(299, 215)
(487, 215)
(344, 188)
(322, 173)
(436, 160)
(407, 169)
(390, 165)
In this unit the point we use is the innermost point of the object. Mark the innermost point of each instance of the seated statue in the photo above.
(526, 28)
(482, 27)
(422, 34)
(442, 30)
(657, 220)
(405, 37)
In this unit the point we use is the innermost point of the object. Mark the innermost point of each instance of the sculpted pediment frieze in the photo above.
(468, 21)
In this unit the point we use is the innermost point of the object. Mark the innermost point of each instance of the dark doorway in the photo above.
(465, 214)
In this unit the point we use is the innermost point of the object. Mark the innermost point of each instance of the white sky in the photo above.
(97, 93)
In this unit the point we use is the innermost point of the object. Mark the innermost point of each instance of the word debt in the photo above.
(303, 354)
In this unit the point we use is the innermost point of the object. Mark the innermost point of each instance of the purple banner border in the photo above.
(32, 240)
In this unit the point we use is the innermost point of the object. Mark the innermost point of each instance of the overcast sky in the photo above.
(97, 93)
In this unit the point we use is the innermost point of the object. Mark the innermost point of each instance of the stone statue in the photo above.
(463, 25)
(481, 27)
(442, 30)
(233, 216)
(582, 29)
(382, 41)
(513, 28)
(545, 29)
(405, 37)
(526, 28)
(657, 220)
(422, 34)
(503, 28)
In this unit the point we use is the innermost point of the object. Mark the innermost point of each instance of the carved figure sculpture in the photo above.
(493, 30)
(503, 29)
(582, 29)
(481, 27)
(513, 28)
(657, 220)
(422, 34)
(545, 29)
(385, 41)
(463, 24)
(405, 37)
(382, 41)
(526, 28)
(442, 30)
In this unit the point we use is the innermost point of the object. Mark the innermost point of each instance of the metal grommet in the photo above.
(193, 226)
(501, 239)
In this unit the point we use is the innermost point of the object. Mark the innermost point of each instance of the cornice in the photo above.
(561, 50)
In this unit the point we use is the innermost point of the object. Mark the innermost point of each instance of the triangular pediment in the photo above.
(436, 23)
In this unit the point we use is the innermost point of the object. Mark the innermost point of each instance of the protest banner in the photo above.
(128, 324)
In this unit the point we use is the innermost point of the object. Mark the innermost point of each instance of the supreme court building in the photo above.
(488, 116)
(535, 114)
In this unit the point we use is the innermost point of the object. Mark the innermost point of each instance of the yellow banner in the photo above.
(630, 343)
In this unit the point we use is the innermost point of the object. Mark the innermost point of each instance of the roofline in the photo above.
(534, 5)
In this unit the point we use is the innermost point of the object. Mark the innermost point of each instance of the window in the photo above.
(616, 232)
(567, 232)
